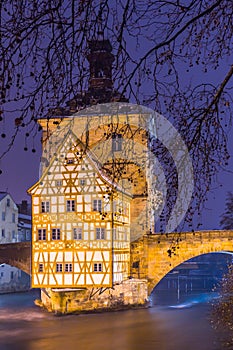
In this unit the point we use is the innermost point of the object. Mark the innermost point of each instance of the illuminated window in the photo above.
(114, 233)
(77, 233)
(70, 205)
(3, 216)
(100, 233)
(41, 268)
(97, 205)
(56, 234)
(58, 267)
(116, 142)
(44, 207)
(97, 267)
(42, 234)
(68, 267)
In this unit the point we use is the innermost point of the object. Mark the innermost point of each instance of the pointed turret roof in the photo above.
(100, 88)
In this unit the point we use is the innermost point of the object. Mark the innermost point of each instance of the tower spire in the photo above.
(100, 58)
(100, 24)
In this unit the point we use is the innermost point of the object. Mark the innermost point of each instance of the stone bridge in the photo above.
(153, 256)
(17, 254)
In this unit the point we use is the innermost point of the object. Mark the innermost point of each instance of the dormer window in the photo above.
(58, 183)
(82, 182)
(70, 161)
(116, 142)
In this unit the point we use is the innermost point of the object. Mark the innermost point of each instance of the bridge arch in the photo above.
(150, 258)
(193, 264)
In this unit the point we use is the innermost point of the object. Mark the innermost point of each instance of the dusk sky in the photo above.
(20, 168)
(128, 178)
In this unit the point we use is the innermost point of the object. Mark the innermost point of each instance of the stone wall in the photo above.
(129, 293)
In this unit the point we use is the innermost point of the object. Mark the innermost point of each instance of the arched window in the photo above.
(99, 71)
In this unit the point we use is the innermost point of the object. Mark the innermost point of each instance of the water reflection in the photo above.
(179, 318)
(170, 299)
(161, 327)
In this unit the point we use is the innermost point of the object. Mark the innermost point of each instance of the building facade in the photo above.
(24, 221)
(13, 228)
(8, 219)
(81, 232)
(24, 228)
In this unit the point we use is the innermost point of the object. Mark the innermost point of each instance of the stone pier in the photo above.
(129, 293)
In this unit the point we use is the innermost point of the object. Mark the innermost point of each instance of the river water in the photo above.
(171, 324)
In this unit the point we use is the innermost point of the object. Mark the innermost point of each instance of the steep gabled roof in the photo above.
(93, 160)
(3, 195)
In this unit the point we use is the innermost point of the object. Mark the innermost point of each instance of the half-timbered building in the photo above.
(81, 232)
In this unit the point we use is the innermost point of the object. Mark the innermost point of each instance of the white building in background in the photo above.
(24, 228)
(24, 222)
(15, 220)
(8, 219)
(14, 227)
(13, 279)
(8, 273)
